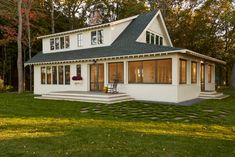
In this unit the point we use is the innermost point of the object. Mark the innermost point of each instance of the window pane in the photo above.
(48, 75)
(148, 72)
(61, 74)
(79, 70)
(147, 37)
(161, 41)
(57, 43)
(116, 71)
(135, 72)
(194, 72)
(209, 73)
(54, 74)
(100, 36)
(164, 71)
(157, 40)
(62, 42)
(120, 72)
(43, 75)
(67, 74)
(112, 72)
(52, 44)
(93, 38)
(79, 40)
(67, 42)
(183, 71)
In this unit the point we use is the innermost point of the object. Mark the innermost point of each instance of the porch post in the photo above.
(175, 70)
(125, 72)
(105, 73)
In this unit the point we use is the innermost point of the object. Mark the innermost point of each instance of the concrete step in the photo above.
(212, 95)
(209, 93)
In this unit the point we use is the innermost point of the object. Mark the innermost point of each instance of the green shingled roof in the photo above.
(125, 44)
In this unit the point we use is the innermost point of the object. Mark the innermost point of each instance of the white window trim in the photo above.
(81, 41)
(153, 32)
(59, 43)
(97, 40)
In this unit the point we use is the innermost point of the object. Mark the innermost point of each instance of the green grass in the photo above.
(43, 128)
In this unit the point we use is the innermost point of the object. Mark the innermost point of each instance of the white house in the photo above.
(136, 50)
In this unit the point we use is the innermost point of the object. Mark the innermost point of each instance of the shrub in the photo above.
(1, 85)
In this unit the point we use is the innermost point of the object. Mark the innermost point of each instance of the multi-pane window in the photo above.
(152, 71)
(79, 70)
(43, 75)
(59, 43)
(116, 72)
(183, 71)
(194, 72)
(97, 37)
(209, 72)
(54, 74)
(152, 38)
(67, 74)
(79, 40)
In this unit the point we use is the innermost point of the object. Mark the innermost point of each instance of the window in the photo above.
(209, 71)
(152, 38)
(100, 36)
(93, 38)
(164, 71)
(153, 71)
(79, 40)
(48, 75)
(148, 37)
(43, 75)
(157, 40)
(67, 42)
(148, 72)
(67, 74)
(194, 72)
(61, 42)
(52, 44)
(54, 74)
(79, 70)
(183, 71)
(61, 74)
(116, 71)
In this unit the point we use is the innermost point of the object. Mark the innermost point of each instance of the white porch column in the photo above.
(189, 71)
(175, 70)
(106, 73)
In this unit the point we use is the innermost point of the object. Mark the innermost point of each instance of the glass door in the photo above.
(202, 77)
(97, 77)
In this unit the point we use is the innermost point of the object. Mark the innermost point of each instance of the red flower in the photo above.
(77, 78)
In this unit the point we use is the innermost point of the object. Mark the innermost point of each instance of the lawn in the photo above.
(43, 128)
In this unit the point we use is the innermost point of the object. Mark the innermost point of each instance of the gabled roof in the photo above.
(124, 45)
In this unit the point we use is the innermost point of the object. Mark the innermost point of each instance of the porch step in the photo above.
(87, 97)
(212, 95)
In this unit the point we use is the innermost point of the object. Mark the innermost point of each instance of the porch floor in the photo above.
(87, 96)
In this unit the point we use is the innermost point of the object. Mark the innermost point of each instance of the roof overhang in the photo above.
(204, 56)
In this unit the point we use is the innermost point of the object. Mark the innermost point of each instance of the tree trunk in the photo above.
(19, 59)
(52, 17)
(233, 77)
(29, 42)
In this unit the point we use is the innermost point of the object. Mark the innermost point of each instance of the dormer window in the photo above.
(59, 43)
(152, 38)
(97, 37)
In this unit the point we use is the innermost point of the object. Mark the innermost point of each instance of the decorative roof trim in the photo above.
(89, 28)
(108, 58)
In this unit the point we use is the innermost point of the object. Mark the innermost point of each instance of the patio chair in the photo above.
(112, 88)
